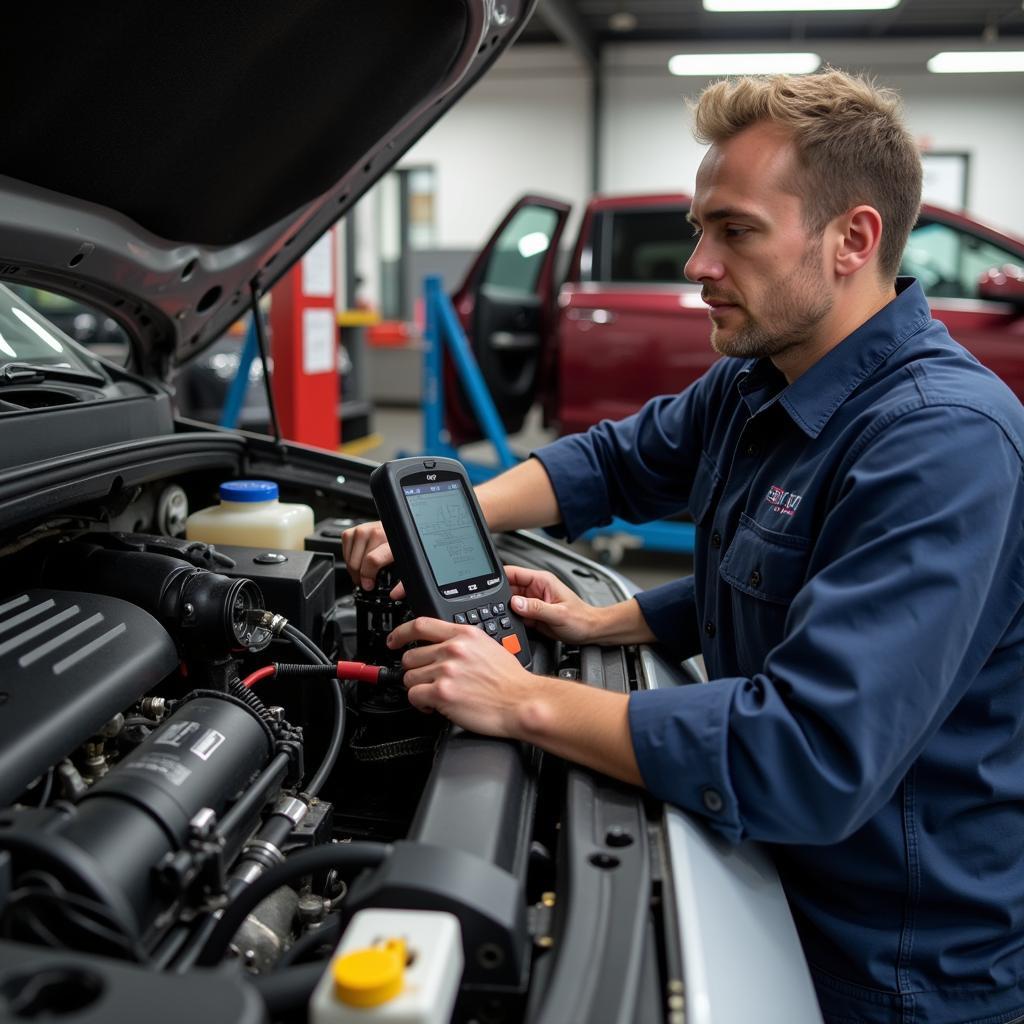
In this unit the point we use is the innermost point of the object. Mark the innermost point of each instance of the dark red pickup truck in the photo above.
(620, 323)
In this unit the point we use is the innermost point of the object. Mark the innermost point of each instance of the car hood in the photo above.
(164, 161)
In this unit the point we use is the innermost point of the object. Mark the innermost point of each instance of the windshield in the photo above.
(27, 337)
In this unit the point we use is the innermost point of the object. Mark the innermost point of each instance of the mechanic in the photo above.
(855, 477)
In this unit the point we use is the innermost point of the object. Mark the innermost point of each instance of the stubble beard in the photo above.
(795, 307)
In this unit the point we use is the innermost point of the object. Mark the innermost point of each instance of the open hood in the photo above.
(162, 161)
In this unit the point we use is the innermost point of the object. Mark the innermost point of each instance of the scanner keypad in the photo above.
(494, 620)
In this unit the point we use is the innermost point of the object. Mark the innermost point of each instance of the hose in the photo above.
(317, 657)
(339, 856)
(303, 643)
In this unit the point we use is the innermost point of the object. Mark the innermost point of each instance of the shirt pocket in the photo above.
(706, 484)
(765, 564)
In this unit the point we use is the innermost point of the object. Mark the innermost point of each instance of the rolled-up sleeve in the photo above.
(671, 612)
(912, 581)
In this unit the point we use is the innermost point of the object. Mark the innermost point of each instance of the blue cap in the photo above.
(248, 490)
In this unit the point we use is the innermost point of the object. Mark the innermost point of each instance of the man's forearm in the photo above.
(519, 498)
(621, 623)
(580, 723)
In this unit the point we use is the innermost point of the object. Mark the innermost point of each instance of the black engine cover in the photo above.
(69, 662)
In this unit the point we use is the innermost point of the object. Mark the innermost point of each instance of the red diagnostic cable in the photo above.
(357, 670)
(267, 672)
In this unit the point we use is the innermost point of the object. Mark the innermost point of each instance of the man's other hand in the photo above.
(544, 601)
(366, 551)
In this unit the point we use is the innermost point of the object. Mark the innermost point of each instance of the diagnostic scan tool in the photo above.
(443, 551)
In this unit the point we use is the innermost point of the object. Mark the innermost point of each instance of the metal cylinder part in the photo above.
(198, 761)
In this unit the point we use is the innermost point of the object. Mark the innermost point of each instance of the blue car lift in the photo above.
(240, 383)
(443, 329)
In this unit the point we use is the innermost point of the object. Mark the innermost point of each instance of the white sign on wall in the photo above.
(318, 348)
(318, 268)
(945, 179)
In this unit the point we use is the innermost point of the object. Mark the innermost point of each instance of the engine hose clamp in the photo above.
(263, 853)
(292, 808)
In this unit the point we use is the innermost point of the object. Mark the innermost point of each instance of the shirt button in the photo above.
(716, 539)
(713, 800)
(752, 450)
(755, 578)
(709, 628)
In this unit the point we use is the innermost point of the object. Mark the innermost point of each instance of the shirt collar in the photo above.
(816, 394)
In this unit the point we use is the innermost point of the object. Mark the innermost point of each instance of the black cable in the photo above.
(105, 899)
(82, 913)
(39, 930)
(317, 657)
(261, 342)
(334, 749)
(47, 789)
(340, 856)
(304, 644)
(325, 934)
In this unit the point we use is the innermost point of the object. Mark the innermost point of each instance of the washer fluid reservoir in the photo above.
(251, 515)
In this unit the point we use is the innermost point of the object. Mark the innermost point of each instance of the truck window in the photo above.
(948, 261)
(649, 246)
(520, 250)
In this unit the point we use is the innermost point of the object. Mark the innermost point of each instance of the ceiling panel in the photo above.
(680, 20)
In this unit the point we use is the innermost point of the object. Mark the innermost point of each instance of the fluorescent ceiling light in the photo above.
(963, 62)
(823, 6)
(709, 64)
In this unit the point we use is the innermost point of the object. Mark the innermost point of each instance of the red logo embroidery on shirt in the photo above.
(782, 501)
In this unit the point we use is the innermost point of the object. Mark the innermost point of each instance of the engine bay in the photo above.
(207, 760)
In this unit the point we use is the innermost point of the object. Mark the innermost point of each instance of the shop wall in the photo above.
(523, 127)
(648, 146)
(526, 127)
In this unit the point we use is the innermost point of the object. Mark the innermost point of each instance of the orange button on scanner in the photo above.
(511, 644)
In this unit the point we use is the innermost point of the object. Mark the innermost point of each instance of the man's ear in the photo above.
(858, 235)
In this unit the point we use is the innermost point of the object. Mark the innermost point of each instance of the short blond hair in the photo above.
(851, 143)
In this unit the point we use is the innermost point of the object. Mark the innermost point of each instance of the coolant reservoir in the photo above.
(392, 967)
(250, 514)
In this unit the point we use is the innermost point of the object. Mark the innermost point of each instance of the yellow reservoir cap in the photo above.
(371, 976)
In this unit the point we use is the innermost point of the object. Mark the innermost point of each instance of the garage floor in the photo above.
(399, 428)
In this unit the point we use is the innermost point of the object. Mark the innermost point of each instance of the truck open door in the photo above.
(505, 305)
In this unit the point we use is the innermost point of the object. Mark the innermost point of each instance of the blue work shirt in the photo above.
(857, 595)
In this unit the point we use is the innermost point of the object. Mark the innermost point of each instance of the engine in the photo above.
(207, 758)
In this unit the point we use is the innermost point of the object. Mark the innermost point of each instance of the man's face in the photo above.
(762, 271)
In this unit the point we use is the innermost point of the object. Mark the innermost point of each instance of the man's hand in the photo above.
(366, 551)
(557, 611)
(547, 603)
(463, 674)
(476, 683)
